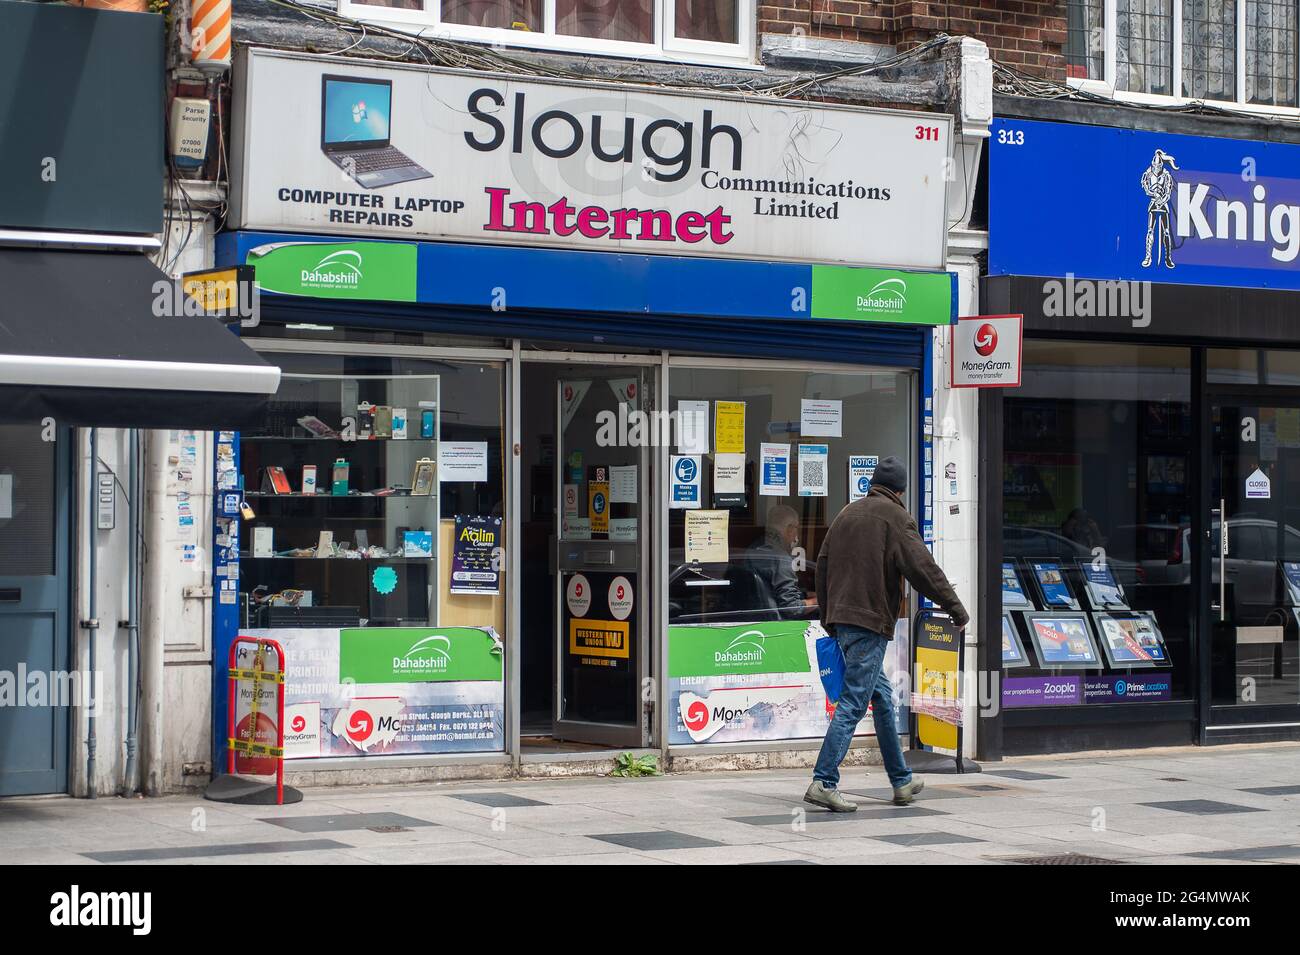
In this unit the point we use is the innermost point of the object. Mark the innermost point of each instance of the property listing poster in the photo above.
(755, 681)
(389, 691)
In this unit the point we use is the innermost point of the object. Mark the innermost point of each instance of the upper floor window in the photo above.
(1236, 51)
(697, 30)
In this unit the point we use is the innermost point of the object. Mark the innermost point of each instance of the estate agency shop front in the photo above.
(1150, 559)
(573, 384)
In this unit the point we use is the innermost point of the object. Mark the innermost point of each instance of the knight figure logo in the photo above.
(1158, 184)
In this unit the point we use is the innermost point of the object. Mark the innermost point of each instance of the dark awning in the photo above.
(81, 341)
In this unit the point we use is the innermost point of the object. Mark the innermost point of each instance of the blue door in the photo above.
(34, 634)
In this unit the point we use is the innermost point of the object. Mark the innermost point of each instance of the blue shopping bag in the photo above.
(830, 666)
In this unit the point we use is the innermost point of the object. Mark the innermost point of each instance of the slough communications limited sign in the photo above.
(352, 147)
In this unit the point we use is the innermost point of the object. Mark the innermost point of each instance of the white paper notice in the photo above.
(6, 496)
(821, 417)
(775, 470)
(622, 484)
(812, 469)
(729, 474)
(693, 427)
(462, 461)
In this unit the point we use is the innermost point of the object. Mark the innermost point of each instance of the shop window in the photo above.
(1097, 509)
(699, 30)
(372, 549)
(784, 484)
(762, 462)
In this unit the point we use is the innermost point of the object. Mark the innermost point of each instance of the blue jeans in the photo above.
(864, 681)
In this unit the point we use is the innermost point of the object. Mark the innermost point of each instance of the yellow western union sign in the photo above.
(599, 638)
(217, 290)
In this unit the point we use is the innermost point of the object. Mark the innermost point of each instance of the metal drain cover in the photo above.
(388, 829)
(1068, 858)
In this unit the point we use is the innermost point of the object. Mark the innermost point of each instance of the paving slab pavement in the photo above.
(1187, 806)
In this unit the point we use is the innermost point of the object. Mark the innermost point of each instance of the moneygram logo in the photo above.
(341, 269)
(360, 725)
(696, 716)
(888, 296)
(298, 724)
(429, 655)
(745, 649)
(986, 340)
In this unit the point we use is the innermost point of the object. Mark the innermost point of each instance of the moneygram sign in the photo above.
(549, 163)
(985, 352)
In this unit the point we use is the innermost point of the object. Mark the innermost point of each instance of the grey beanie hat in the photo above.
(891, 473)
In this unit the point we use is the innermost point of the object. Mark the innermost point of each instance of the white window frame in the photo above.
(666, 46)
(1109, 61)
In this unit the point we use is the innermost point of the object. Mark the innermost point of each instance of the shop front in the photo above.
(530, 494)
(1148, 561)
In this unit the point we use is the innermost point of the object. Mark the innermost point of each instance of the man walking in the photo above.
(871, 546)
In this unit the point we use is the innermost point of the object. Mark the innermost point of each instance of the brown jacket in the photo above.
(871, 546)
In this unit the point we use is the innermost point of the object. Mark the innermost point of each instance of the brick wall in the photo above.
(1026, 34)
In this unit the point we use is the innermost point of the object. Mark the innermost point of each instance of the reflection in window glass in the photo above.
(394, 4)
(1144, 46)
(712, 20)
(1271, 52)
(1232, 366)
(1096, 465)
(1210, 49)
(773, 539)
(626, 20)
(1281, 367)
(499, 14)
(1084, 40)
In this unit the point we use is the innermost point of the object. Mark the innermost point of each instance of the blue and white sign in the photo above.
(1104, 203)
(862, 468)
(685, 489)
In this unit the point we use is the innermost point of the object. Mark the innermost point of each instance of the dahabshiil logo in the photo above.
(887, 295)
(745, 649)
(341, 269)
(430, 654)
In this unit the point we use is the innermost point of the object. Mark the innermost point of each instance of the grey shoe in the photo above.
(905, 794)
(831, 799)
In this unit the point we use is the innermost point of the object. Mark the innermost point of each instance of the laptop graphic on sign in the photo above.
(355, 128)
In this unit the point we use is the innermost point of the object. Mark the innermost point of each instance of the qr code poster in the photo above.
(812, 469)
